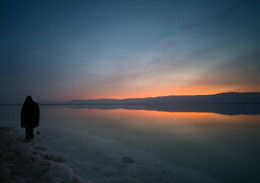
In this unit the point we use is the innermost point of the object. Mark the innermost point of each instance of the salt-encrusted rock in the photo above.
(36, 158)
(21, 162)
(6, 140)
(24, 148)
(40, 153)
(56, 157)
(42, 148)
(128, 159)
(60, 171)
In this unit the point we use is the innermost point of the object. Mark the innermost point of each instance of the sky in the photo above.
(59, 50)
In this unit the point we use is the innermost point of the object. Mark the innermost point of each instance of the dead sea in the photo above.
(106, 161)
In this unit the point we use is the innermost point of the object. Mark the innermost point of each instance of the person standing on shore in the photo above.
(30, 116)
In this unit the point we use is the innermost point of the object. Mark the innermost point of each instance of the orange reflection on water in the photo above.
(163, 116)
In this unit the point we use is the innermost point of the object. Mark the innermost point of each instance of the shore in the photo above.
(106, 162)
(24, 162)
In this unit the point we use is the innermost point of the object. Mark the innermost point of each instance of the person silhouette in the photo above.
(30, 116)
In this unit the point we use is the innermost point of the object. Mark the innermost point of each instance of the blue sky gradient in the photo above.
(63, 50)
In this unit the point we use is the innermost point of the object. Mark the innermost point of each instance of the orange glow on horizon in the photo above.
(159, 93)
(153, 94)
(165, 89)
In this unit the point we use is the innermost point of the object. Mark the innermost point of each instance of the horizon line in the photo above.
(162, 96)
(58, 102)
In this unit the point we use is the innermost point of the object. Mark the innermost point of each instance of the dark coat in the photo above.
(30, 114)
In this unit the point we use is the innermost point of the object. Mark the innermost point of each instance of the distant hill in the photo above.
(221, 98)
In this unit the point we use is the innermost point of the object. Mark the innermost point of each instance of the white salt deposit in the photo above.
(92, 160)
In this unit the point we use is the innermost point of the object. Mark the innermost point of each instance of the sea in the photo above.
(224, 146)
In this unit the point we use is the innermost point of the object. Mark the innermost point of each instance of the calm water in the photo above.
(225, 146)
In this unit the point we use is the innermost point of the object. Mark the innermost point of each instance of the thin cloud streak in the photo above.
(124, 49)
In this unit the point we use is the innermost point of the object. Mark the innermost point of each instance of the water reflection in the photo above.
(229, 109)
(225, 146)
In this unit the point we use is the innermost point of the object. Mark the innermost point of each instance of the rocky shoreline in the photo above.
(102, 161)
(28, 162)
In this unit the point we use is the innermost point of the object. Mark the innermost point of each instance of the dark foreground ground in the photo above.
(32, 161)
(26, 162)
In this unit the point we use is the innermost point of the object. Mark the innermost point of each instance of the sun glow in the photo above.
(161, 92)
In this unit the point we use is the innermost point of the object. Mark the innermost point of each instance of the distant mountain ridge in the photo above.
(221, 98)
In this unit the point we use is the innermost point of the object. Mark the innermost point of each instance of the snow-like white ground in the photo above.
(94, 159)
